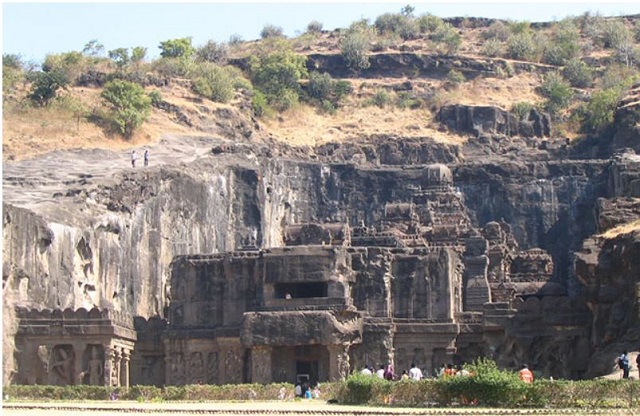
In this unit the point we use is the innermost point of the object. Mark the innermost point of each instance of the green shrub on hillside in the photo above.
(599, 111)
(45, 86)
(565, 43)
(213, 82)
(271, 31)
(615, 33)
(355, 45)
(12, 72)
(519, 27)
(455, 77)
(521, 47)
(173, 67)
(277, 75)
(497, 30)
(578, 73)
(129, 105)
(314, 26)
(402, 25)
(69, 64)
(177, 48)
(428, 23)
(557, 92)
(213, 51)
(492, 48)
(522, 109)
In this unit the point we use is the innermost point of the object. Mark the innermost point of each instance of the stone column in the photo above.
(338, 361)
(115, 366)
(108, 363)
(261, 364)
(124, 367)
(168, 362)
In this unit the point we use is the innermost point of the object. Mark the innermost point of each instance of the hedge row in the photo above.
(366, 390)
(493, 392)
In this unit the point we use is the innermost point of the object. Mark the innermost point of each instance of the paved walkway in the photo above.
(306, 407)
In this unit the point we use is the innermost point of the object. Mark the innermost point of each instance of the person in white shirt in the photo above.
(366, 371)
(415, 373)
(380, 372)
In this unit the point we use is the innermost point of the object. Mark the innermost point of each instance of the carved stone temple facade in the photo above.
(420, 286)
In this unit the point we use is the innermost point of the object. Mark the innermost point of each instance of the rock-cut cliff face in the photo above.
(95, 233)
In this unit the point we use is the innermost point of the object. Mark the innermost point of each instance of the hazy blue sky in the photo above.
(35, 29)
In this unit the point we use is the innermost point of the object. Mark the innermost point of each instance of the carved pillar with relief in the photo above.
(116, 358)
(339, 366)
(261, 364)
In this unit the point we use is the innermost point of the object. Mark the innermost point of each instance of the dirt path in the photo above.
(307, 407)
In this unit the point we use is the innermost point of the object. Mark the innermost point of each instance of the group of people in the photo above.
(134, 157)
(447, 370)
(623, 362)
(306, 391)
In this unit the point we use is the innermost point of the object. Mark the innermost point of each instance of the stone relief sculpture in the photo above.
(95, 368)
(62, 363)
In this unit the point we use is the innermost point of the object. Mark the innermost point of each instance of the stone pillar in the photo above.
(338, 361)
(168, 362)
(261, 364)
(108, 364)
(115, 366)
(124, 367)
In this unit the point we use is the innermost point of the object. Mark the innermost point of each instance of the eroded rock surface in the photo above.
(391, 249)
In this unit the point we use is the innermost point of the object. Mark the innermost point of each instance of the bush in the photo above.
(176, 48)
(213, 51)
(408, 100)
(600, 109)
(381, 99)
(498, 30)
(314, 27)
(277, 76)
(557, 92)
(260, 105)
(271, 31)
(235, 40)
(355, 46)
(520, 46)
(428, 23)
(45, 86)
(364, 389)
(614, 33)
(12, 72)
(173, 67)
(492, 48)
(128, 103)
(455, 77)
(578, 74)
(402, 25)
(522, 109)
(519, 27)
(213, 82)
(69, 64)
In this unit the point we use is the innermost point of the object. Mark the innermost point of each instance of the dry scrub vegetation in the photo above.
(373, 106)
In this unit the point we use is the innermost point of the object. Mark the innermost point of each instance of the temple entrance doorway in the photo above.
(307, 372)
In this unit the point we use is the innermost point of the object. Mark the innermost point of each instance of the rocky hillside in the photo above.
(82, 228)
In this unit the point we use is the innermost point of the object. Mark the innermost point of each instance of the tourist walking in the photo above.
(623, 363)
(146, 157)
(134, 157)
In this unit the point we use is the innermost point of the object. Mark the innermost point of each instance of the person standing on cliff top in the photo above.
(146, 157)
(134, 157)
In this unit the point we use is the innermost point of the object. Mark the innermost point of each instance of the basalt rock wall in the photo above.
(110, 243)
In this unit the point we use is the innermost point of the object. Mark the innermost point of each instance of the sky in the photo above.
(35, 29)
